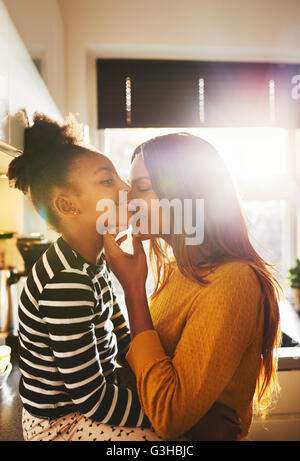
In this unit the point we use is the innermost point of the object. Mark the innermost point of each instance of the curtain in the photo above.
(166, 93)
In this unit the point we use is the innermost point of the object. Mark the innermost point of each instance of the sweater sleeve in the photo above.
(175, 392)
(67, 305)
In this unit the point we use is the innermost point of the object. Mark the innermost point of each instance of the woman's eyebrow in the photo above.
(134, 181)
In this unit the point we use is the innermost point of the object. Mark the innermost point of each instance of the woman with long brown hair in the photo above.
(211, 330)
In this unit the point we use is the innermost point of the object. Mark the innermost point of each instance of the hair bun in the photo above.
(18, 174)
(43, 141)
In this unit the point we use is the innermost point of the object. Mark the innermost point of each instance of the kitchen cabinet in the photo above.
(21, 87)
(283, 420)
(4, 78)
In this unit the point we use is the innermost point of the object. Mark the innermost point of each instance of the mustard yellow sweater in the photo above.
(205, 348)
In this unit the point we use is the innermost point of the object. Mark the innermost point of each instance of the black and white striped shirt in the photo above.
(71, 334)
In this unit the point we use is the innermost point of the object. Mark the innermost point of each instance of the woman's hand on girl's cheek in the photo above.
(130, 270)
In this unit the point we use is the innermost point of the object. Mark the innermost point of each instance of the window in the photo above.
(141, 93)
(267, 231)
(248, 111)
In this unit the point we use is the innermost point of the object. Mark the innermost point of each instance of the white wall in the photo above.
(70, 34)
(265, 30)
(24, 88)
(40, 26)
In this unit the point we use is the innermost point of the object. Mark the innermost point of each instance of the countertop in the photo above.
(10, 402)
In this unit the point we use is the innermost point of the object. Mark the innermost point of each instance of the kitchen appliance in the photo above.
(31, 247)
(8, 301)
(8, 278)
(6, 238)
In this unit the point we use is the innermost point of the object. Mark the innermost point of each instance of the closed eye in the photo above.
(142, 189)
(142, 184)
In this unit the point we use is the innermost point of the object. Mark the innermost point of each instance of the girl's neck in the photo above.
(87, 245)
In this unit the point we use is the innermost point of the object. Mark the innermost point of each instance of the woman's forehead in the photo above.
(138, 168)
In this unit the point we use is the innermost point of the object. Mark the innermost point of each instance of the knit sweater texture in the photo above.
(205, 347)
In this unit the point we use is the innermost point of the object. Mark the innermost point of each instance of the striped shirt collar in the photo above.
(75, 259)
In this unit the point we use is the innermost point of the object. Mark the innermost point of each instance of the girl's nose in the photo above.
(124, 185)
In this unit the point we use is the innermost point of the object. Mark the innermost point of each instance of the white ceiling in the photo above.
(213, 23)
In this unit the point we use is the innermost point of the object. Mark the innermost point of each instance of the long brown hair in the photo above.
(185, 166)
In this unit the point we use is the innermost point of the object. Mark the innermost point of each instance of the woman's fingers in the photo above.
(130, 270)
(113, 247)
(110, 245)
(121, 239)
(137, 245)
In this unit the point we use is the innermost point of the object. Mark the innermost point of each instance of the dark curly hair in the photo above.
(50, 149)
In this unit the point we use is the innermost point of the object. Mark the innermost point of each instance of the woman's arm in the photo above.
(177, 391)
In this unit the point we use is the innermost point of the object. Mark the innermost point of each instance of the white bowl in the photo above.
(5, 375)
